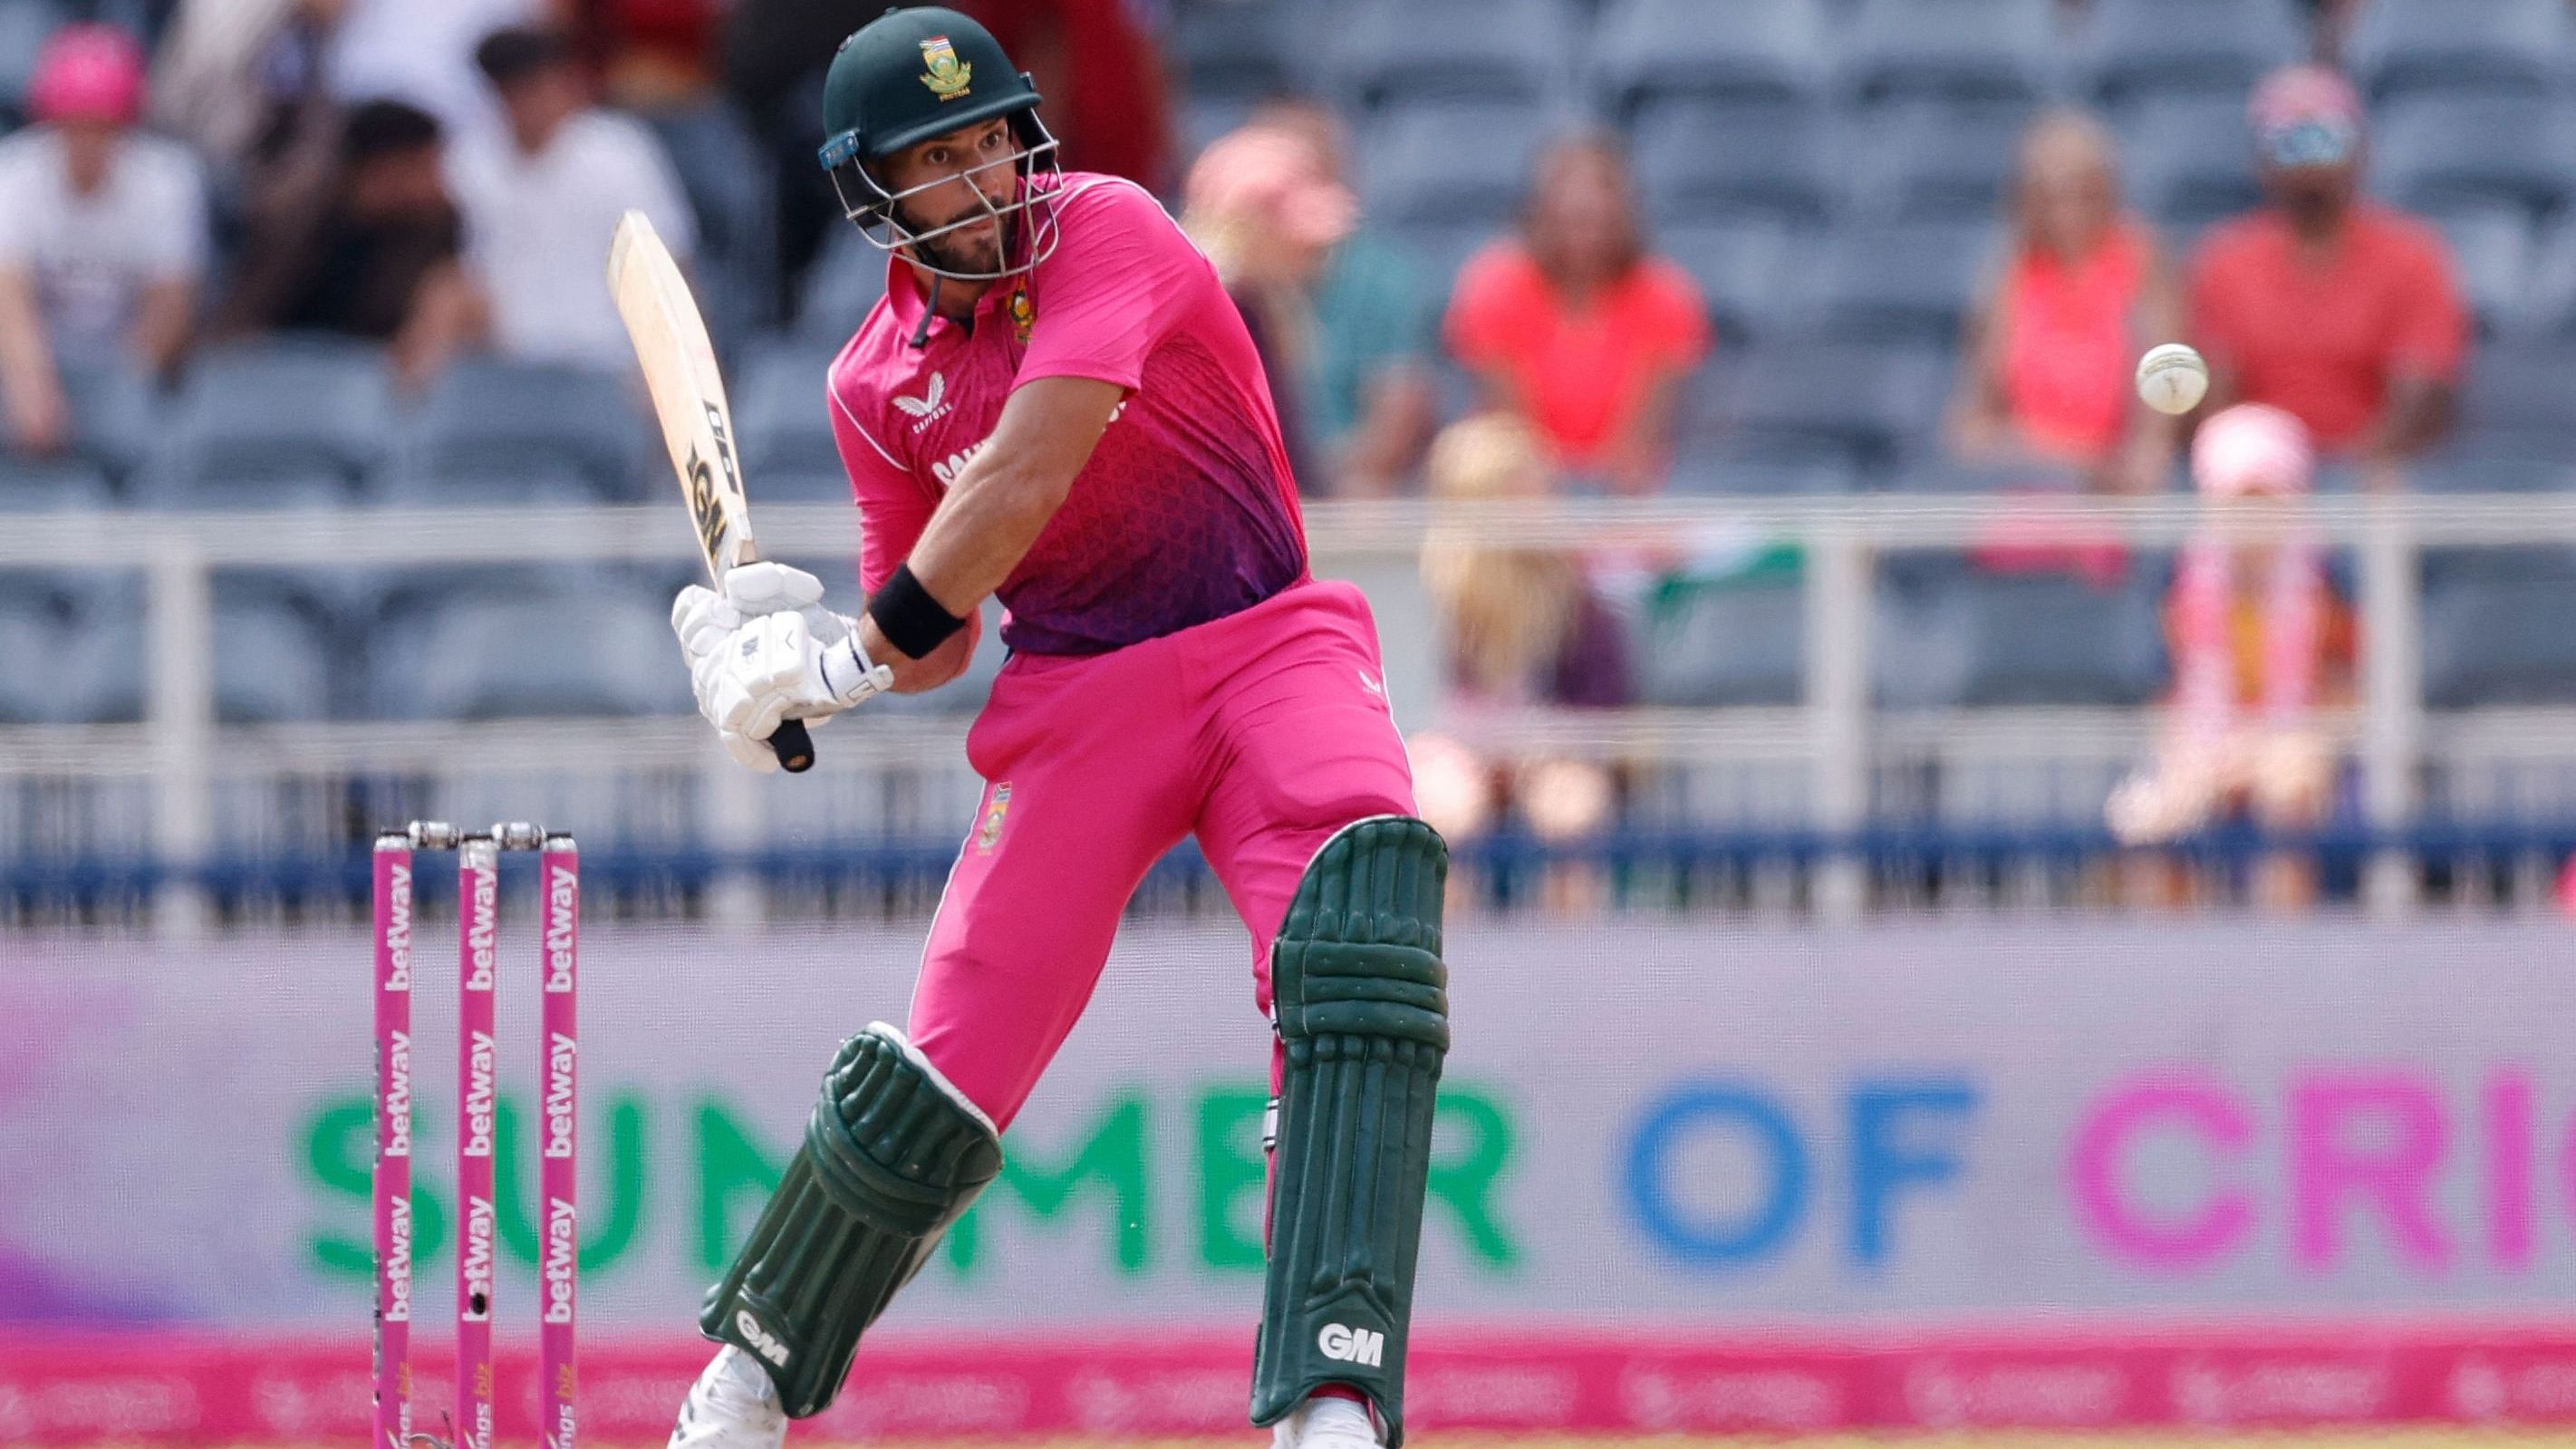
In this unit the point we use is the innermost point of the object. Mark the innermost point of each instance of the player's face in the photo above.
(966, 172)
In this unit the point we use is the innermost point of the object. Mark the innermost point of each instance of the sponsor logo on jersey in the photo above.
(945, 471)
(928, 408)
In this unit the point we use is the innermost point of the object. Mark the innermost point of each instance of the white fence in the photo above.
(190, 786)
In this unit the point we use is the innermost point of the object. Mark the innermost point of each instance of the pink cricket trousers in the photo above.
(1261, 733)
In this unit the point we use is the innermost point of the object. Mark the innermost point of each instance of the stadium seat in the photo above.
(1954, 636)
(1931, 161)
(274, 651)
(114, 414)
(1434, 50)
(2133, 48)
(1733, 163)
(52, 485)
(783, 414)
(578, 644)
(841, 287)
(1896, 281)
(1943, 475)
(1714, 472)
(730, 184)
(2443, 152)
(288, 418)
(2188, 160)
(2499, 628)
(1238, 49)
(2491, 251)
(1960, 49)
(1766, 51)
(488, 426)
(1439, 251)
(1725, 642)
(1803, 401)
(24, 25)
(2497, 464)
(97, 676)
(2524, 387)
(1740, 268)
(2398, 46)
(1204, 119)
(1413, 169)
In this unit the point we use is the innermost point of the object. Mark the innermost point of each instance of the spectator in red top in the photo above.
(1575, 326)
(2053, 340)
(2337, 310)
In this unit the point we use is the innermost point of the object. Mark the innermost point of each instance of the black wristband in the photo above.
(909, 617)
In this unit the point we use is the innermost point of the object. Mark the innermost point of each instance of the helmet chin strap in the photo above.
(921, 334)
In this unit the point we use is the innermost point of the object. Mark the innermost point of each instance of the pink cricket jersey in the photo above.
(1186, 512)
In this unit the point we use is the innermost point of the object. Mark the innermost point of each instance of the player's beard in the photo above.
(975, 248)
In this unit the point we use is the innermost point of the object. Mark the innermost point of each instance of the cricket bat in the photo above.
(688, 397)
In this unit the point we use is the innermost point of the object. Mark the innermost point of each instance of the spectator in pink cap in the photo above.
(102, 234)
(1262, 205)
(2260, 641)
(2335, 309)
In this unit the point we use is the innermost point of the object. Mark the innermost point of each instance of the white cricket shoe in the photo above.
(1326, 1424)
(731, 1406)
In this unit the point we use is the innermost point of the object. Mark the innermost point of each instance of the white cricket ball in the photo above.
(2172, 378)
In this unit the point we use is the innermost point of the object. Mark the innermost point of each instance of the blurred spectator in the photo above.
(2053, 342)
(1101, 74)
(1575, 326)
(541, 201)
(378, 259)
(244, 82)
(422, 51)
(655, 54)
(2339, 310)
(1367, 388)
(1259, 204)
(2260, 642)
(102, 232)
(1519, 628)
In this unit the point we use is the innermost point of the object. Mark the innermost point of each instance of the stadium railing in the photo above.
(179, 805)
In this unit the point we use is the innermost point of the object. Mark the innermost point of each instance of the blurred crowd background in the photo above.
(1769, 256)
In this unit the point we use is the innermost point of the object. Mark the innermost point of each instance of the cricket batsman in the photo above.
(1057, 403)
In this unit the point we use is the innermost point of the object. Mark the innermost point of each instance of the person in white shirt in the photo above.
(542, 200)
(102, 233)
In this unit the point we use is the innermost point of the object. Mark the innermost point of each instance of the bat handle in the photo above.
(794, 745)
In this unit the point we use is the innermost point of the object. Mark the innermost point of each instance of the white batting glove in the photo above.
(705, 620)
(779, 667)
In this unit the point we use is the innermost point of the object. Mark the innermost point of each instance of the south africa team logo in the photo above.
(947, 76)
(991, 831)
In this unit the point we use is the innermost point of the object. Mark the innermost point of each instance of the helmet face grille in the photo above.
(1029, 214)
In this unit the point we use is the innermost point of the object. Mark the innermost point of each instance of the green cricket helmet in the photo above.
(910, 75)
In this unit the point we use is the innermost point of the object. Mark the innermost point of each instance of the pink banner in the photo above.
(174, 1389)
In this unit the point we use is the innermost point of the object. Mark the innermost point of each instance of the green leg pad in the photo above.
(891, 1157)
(1362, 1007)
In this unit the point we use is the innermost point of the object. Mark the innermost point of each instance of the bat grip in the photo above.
(794, 745)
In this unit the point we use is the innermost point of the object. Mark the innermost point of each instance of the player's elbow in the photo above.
(1035, 491)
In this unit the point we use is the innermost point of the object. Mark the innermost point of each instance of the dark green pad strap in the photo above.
(891, 1157)
(1362, 1006)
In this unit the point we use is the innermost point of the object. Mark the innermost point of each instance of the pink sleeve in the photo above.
(1119, 282)
(894, 506)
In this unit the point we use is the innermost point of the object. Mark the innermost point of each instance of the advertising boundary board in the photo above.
(185, 1391)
